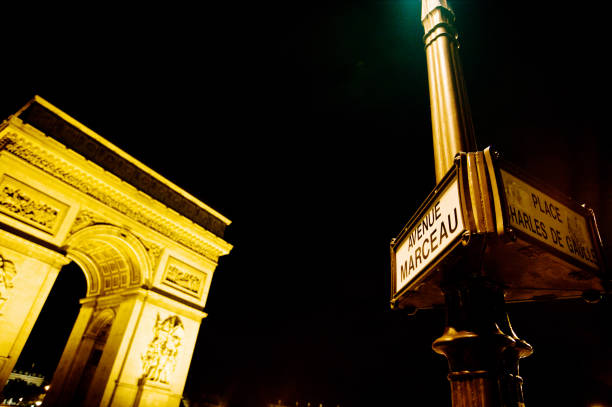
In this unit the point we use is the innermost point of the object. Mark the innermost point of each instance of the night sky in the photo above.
(308, 126)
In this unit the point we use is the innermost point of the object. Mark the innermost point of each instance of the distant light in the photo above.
(47, 387)
(38, 403)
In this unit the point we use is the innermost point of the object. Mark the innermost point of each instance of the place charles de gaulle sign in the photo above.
(539, 243)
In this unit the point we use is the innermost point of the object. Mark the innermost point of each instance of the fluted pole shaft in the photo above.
(482, 350)
(451, 120)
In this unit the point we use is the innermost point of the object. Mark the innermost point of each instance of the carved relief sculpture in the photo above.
(83, 219)
(19, 203)
(159, 360)
(29, 205)
(154, 252)
(183, 278)
(7, 273)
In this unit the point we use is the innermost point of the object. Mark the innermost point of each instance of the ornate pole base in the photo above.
(482, 349)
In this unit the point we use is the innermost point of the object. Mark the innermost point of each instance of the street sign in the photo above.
(535, 242)
(547, 220)
(435, 229)
(547, 246)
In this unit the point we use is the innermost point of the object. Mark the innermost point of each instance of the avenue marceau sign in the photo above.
(539, 243)
(437, 228)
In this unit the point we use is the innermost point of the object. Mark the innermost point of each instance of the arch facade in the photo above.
(148, 250)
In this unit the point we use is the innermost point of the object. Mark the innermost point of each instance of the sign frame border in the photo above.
(462, 238)
(495, 163)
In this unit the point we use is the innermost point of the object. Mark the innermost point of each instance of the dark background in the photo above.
(308, 125)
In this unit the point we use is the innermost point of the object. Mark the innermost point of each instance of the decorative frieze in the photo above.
(184, 277)
(211, 248)
(30, 206)
(159, 360)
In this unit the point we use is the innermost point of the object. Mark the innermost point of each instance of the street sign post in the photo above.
(490, 233)
(487, 234)
(539, 243)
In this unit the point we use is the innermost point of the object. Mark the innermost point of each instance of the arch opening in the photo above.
(94, 340)
(112, 258)
(43, 349)
(107, 260)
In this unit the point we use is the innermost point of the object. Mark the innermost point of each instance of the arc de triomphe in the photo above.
(148, 250)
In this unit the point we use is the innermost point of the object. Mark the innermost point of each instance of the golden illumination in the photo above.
(148, 267)
(450, 113)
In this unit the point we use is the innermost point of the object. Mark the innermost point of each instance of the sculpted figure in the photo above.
(160, 358)
(7, 273)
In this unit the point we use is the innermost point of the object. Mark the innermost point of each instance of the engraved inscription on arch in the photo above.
(30, 206)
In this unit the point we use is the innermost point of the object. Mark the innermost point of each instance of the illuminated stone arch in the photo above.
(91, 351)
(99, 327)
(148, 250)
(111, 257)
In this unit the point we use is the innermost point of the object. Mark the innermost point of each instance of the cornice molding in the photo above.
(197, 239)
(58, 125)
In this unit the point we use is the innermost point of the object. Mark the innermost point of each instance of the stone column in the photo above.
(68, 384)
(147, 354)
(27, 273)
